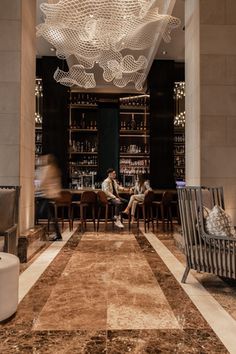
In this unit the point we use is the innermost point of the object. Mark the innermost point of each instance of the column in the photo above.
(211, 95)
(17, 102)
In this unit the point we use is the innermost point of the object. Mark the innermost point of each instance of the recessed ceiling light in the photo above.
(164, 52)
(52, 49)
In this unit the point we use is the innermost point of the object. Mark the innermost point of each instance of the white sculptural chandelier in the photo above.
(103, 32)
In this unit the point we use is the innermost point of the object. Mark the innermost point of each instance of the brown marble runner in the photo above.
(107, 284)
(193, 334)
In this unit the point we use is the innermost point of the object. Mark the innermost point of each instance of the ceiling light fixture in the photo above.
(107, 32)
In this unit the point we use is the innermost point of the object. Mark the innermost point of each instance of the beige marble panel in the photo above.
(25, 217)
(10, 160)
(213, 130)
(218, 162)
(218, 100)
(213, 69)
(218, 96)
(231, 70)
(9, 180)
(10, 10)
(218, 39)
(9, 97)
(28, 11)
(192, 145)
(28, 134)
(28, 105)
(135, 299)
(192, 78)
(231, 12)
(10, 61)
(26, 192)
(192, 13)
(10, 35)
(231, 131)
(26, 204)
(9, 132)
(193, 167)
(213, 12)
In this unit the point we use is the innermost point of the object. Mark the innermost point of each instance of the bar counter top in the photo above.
(80, 191)
(158, 193)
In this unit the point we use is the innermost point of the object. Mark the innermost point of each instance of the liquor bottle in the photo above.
(83, 121)
(133, 123)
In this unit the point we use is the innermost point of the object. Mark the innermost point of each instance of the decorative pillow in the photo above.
(218, 222)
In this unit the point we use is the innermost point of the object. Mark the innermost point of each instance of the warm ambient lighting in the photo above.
(38, 95)
(104, 34)
(179, 96)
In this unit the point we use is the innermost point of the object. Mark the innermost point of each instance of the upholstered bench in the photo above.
(9, 282)
(9, 206)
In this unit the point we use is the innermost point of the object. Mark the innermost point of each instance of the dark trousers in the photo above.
(118, 204)
(44, 210)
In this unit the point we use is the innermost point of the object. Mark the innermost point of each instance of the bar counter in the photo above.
(158, 192)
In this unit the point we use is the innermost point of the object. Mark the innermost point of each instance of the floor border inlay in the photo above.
(30, 276)
(218, 319)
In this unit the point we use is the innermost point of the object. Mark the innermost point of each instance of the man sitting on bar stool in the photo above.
(111, 189)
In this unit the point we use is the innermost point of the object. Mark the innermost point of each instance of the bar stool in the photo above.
(146, 207)
(88, 200)
(165, 207)
(103, 202)
(62, 203)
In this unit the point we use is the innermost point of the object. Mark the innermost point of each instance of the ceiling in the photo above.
(161, 50)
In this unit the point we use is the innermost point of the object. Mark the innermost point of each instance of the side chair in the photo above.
(205, 252)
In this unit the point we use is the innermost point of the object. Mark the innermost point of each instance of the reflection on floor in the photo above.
(110, 293)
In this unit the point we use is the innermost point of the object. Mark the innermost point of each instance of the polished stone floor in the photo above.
(112, 293)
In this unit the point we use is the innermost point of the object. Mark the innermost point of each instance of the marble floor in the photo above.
(118, 292)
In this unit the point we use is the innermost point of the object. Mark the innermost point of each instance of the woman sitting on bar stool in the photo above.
(140, 189)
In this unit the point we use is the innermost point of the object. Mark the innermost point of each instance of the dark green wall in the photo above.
(108, 137)
(55, 113)
(161, 80)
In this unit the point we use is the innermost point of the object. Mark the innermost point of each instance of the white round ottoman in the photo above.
(9, 282)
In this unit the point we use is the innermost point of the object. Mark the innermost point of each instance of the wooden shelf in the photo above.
(85, 165)
(87, 106)
(134, 136)
(82, 130)
(133, 108)
(83, 152)
(135, 155)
